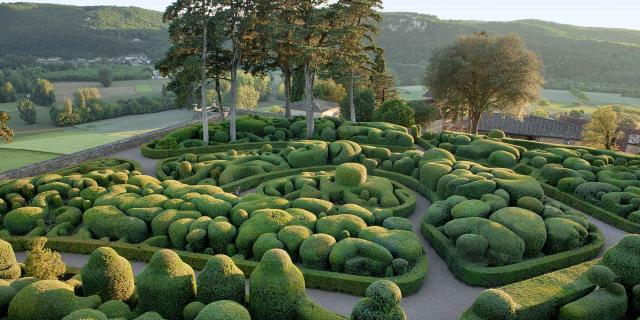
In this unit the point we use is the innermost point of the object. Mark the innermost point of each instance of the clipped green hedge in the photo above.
(496, 276)
(409, 282)
(539, 298)
(590, 209)
(148, 150)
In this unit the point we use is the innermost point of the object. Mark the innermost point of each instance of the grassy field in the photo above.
(560, 100)
(42, 140)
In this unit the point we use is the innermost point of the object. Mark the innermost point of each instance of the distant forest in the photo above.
(590, 59)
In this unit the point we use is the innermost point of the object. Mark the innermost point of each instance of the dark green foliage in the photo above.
(108, 275)
(314, 251)
(115, 309)
(57, 296)
(494, 304)
(105, 76)
(276, 286)
(401, 243)
(365, 105)
(563, 234)
(505, 247)
(496, 134)
(593, 191)
(22, 220)
(358, 256)
(381, 301)
(166, 285)
(351, 174)
(531, 203)
(472, 246)
(527, 225)
(624, 260)
(601, 276)
(220, 280)
(86, 314)
(108, 221)
(606, 303)
(223, 310)
(501, 158)
(471, 208)
(395, 111)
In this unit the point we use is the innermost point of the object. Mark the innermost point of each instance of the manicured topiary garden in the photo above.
(602, 183)
(329, 213)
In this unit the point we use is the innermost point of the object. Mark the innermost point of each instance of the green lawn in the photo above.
(13, 158)
(34, 146)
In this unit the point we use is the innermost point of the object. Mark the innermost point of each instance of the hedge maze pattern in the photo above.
(329, 213)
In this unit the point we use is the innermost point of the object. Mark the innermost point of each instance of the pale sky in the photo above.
(596, 13)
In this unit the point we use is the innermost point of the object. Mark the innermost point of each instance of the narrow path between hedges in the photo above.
(442, 296)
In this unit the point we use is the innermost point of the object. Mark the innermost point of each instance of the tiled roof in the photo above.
(319, 105)
(531, 126)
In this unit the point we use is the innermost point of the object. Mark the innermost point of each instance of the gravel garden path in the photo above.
(442, 296)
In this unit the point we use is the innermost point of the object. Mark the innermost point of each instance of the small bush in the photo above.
(108, 275)
(43, 263)
(382, 301)
(496, 134)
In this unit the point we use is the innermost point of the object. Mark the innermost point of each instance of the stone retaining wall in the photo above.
(96, 152)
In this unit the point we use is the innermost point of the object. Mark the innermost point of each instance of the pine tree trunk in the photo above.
(220, 109)
(234, 100)
(203, 86)
(308, 98)
(287, 93)
(352, 108)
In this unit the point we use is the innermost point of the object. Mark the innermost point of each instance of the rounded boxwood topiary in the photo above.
(529, 226)
(538, 161)
(501, 158)
(494, 304)
(397, 223)
(382, 301)
(9, 267)
(166, 285)
(624, 260)
(115, 309)
(531, 203)
(314, 251)
(46, 300)
(472, 245)
(220, 279)
(224, 310)
(108, 275)
(601, 276)
(192, 310)
(264, 243)
(351, 174)
(86, 314)
(275, 287)
(22, 220)
(471, 208)
(496, 134)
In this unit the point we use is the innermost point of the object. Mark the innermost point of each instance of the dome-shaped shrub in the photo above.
(494, 304)
(601, 276)
(220, 279)
(108, 275)
(47, 300)
(224, 310)
(382, 301)
(9, 267)
(86, 314)
(275, 287)
(115, 309)
(351, 174)
(166, 285)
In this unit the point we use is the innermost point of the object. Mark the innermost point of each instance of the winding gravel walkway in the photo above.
(442, 296)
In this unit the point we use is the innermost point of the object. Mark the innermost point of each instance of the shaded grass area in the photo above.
(15, 158)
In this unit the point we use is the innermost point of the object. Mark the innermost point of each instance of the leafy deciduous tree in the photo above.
(6, 133)
(482, 73)
(395, 111)
(44, 93)
(27, 111)
(105, 76)
(605, 127)
(364, 103)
